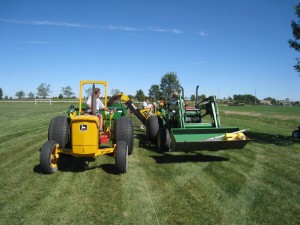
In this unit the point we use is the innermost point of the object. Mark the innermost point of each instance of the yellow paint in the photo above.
(72, 115)
(83, 82)
(85, 135)
(234, 136)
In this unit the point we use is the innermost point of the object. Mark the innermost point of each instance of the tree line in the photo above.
(43, 91)
(169, 83)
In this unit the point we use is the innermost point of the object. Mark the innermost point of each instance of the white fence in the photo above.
(33, 101)
(41, 100)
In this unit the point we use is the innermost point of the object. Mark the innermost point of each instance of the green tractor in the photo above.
(183, 128)
(79, 134)
(177, 127)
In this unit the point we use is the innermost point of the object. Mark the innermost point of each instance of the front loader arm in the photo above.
(210, 105)
(133, 108)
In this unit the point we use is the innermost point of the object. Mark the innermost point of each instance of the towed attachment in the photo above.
(213, 139)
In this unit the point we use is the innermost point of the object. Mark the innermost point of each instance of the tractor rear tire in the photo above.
(296, 134)
(123, 130)
(48, 162)
(59, 130)
(122, 156)
(163, 140)
(152, 128)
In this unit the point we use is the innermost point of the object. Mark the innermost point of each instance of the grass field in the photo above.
(256, 185)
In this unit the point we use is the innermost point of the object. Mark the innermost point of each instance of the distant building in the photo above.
(285, 102)
(265, 102)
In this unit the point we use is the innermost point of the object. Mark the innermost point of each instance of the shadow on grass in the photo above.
(144, 142)
(265, 138)
(110, 169)
(38, 169)
(190, 157)
(149, 146)
(68, 163)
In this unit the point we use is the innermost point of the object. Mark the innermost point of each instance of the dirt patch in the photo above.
(281, 117)
(242, 113)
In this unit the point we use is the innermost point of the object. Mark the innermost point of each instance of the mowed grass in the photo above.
(256, 185)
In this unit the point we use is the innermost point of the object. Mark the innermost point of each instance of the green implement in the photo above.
(183, 128)
(205, 139)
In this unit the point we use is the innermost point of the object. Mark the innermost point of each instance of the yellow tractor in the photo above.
(79, 133)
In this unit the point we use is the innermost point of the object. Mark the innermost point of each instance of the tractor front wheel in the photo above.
(49, 157)
(122, 156)
(152, 128)
(296, 134)
(163, 140)
(124, 131)
(59, 130)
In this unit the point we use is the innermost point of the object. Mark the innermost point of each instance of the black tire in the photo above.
(163, 140)
(296, 134)
(122, 156)
(123, 130)
(152, 128)
(48, 162)
(59, 131)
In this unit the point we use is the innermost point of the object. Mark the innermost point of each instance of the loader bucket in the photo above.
(212, 139)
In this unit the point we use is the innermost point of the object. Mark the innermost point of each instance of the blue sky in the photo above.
(226, 47)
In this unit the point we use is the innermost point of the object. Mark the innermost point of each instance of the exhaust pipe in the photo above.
(196, 102)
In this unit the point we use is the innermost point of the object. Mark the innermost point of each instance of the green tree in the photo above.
(169, 83)
(193, 97)
(30, 95)
(60, 96)
(202, 97)
(43, 90)
(1, 94)
(67, 92)
(247, 99)
(115, 92)
(89, 91)
(272, 100)
(140, 96)
(130, 96)
(20, 94)
(154, 92)
(296, 33)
